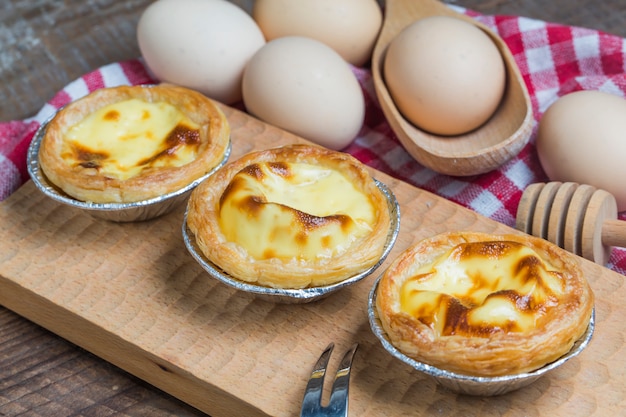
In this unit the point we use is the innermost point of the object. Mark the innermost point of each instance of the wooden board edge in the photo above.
(134, 360)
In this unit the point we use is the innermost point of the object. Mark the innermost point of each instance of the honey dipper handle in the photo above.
(614, 233)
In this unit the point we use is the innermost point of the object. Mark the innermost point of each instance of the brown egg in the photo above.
(582, 139)
(445, 75)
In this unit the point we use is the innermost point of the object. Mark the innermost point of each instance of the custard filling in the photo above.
(294, 210)
(125, 138)
(481, 288)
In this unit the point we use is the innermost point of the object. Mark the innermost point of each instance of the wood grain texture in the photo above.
(41, 375)
(131, 294)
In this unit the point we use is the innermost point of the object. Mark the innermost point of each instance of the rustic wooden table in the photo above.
(45, 44)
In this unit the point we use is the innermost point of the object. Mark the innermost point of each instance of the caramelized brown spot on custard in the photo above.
(112, 116)
(230, 188)
(254, 171)
(456, 316)
(457, 323)
(280, 168)
(493, 250)
(253, 204)
(87, 158)
(528, 267)
(269, 253)
(310, 222)
(181, 135)
(301, 238)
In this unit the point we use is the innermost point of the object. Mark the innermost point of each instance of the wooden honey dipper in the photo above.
(577, 217)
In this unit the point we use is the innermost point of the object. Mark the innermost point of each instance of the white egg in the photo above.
(305, 87)
(350, 27)
(199, 44)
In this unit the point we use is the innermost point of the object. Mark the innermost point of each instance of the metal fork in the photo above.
(338, 403)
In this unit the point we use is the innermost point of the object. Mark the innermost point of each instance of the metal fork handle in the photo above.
(338, 403)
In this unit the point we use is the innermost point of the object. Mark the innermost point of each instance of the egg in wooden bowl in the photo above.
(483, 314)
(129, 153)
(291, 224)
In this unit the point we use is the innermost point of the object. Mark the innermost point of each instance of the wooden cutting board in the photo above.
(131, 294)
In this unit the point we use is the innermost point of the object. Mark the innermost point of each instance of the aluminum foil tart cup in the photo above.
(468, 384)
(303, 295)
(116, 212)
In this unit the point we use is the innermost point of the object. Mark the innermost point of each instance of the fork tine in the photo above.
(338, 404)
(312, 402)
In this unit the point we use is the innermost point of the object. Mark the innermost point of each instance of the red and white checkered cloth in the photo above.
(554, 60)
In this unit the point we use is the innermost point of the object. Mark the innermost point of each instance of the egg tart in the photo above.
(291, 217)
(484, 305)
(132, 143)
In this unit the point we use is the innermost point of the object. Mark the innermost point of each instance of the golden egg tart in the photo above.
(484, 305)
(133, 143)
(291, 217)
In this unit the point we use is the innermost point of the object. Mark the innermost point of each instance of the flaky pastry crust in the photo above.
(203, 221)
(87, 183)
(497, 351)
